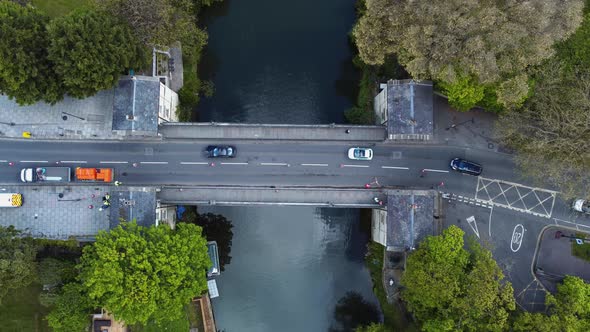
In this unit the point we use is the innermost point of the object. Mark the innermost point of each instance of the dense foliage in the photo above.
(449, 288)
(142, 274)
(71, 310)
(484, 44)
(90, 50)
(25, 72)
(17, 260)
(569, 310)
(353, 311)
(374, 327)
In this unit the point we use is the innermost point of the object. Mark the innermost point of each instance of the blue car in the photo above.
(221, 151)
(465, 166)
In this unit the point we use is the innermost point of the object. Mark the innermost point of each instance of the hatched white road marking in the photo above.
(473, 225)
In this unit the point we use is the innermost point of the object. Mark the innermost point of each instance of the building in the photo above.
(406, 108)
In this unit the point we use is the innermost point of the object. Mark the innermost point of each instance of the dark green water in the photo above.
(284, 62)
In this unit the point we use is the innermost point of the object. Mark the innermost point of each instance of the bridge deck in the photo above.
(213, 131)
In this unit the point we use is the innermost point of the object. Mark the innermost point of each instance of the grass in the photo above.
(21, 311)
(581, 250)
(191, 318)
(57, 8)
(393, 320)
(195, 318)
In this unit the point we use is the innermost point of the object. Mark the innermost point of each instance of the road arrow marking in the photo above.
(473, 225)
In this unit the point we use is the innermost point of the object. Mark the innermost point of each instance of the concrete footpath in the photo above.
(235, 131)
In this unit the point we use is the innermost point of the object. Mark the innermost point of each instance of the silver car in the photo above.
(360, 153)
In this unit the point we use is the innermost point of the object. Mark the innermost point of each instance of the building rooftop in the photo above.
(410, 218)
(409, 108)
(136, 105)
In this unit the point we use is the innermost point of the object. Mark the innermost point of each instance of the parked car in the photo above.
(221, 151)
(581, 205)
(360, 153)
(465, 166)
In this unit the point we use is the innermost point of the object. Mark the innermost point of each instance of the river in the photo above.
(284, 62)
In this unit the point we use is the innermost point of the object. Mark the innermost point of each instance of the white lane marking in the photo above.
(394, 167)
(234, 163)
(114, 162)
(517, 237)
(319, 165)
(274, 164)
(154, 162)
(473, 225)
(34, 161)
(193, 163)
(490, 221)
(3, 161)
(73, 161)
(355, 165)
(435, 170)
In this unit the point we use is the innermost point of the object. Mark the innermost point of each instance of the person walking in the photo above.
(118, 183)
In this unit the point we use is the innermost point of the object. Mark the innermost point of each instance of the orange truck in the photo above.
(94, 174)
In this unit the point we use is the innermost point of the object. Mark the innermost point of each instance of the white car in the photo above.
(581, 205)
(360, 153)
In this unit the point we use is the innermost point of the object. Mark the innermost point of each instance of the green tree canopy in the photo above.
(142, 274)
(492, 41)
(17, 260)
(374, 327)
(449, 288)
(551, 133)
(569, 310)
(26, 74)
(72, 309)
(90, 50)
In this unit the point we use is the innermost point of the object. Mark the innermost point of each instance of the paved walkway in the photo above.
(44, 214)
(89, 118)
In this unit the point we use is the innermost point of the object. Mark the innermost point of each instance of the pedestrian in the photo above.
(376, 199)
(105, 205)
(118, 183)
(347, 131)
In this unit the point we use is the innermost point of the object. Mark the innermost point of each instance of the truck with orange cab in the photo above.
(94, 174)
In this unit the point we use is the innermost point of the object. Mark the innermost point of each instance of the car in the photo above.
(221, 151)
(581, 205)
(465, 166)
(360, 153)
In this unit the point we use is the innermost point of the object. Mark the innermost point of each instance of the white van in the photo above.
(11, 200)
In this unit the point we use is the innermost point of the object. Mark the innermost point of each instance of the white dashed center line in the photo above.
(318, 165)
(114, 162)
(193, 163)
(234, 163)
(73, 161)
(435, 170)
(154, 162)
(34, 161)
(355, 166)
(394, 167)
(274, 164)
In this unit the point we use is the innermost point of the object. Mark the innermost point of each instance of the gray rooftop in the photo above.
(409, 219)
(136, 105)
(129, 205)
(409, 108)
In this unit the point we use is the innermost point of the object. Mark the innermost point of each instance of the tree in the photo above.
(90, 50)
(17, 260)
(374, 327)
(54, 272)
(569, 310)
(72, 309)
(448, 41)
(26, 74)
(215, 228)
(352, 311)
(449, 288)
(551, 133)
(142, 274)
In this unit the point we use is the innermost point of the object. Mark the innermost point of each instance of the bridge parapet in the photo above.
(238, 131)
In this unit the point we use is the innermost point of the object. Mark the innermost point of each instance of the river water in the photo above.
(275, 61)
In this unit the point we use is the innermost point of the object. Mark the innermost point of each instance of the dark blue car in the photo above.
(465, 166)
(221, 151)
